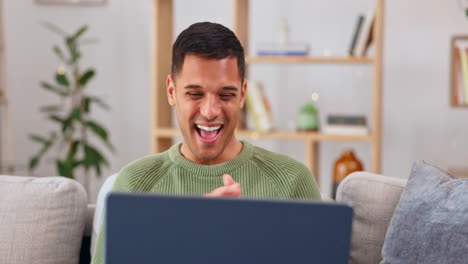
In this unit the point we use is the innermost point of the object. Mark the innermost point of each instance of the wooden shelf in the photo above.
(163, 131)
(304, 59)
(281, 135)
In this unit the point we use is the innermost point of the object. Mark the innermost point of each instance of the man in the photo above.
(207, 88)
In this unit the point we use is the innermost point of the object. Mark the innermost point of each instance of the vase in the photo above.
(345, 165)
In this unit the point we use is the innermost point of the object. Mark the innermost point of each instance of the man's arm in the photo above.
(305, 186)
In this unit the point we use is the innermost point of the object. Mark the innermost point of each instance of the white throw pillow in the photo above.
(41, 220)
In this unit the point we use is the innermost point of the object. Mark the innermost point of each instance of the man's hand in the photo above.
(230, 188)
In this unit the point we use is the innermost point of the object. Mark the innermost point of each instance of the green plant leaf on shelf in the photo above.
(62, 79)
(88, 75)
(58, 90)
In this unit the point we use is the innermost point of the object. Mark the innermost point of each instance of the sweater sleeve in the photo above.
(305, 186)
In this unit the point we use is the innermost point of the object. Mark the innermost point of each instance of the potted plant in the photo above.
(72, 114)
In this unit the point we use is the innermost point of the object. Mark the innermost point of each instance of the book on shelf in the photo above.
(283, 49)
(349, 125)
(365, 37)
(258, 107)
(357, 30)
(461, 79)
(458, 87)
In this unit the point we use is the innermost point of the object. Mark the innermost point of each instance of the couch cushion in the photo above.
(373, 198)
(430, 223)
(41, 220)
(99, 211)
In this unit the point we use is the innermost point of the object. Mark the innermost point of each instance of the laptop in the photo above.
(142, 228)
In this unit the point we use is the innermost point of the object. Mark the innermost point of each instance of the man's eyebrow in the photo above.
(192, 86)
(230, 88)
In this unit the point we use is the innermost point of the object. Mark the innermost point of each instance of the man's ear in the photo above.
(170, 87)
(243, 93)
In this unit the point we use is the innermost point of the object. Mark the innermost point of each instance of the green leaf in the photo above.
(54, 28)
(64, 122)
(56, 118)
(76, 55)
(86, 104)
(110, 146)
(60, 91)
(73, 149)
(62, 171)
(33, 162)
(92, 155)
(97, 129)
(98, 101)
(47, 143)
(88, 75)
(73, 49)
(97, 167)
(62, 79)
(59, 52)
(38, 139)
(51, 108)
(76, 114)
(78, 33)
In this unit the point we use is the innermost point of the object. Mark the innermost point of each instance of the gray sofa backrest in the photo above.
(42, 219)
(373, 198)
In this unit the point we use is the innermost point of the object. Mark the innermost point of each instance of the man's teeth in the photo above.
(209, 128)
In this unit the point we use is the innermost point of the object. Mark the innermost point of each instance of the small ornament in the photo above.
(345, 165)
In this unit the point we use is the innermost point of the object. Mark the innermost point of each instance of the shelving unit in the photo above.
(162, 128)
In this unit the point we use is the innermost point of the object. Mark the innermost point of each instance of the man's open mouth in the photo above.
(208, 134)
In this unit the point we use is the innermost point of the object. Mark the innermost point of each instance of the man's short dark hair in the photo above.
(207, 40)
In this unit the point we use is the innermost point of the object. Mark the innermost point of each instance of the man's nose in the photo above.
(210, 108)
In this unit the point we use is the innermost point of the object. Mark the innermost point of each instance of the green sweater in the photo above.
(261, 174)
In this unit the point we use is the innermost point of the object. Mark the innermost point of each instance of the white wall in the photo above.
(418, 122)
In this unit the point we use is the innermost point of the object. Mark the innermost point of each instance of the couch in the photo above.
(48, 220)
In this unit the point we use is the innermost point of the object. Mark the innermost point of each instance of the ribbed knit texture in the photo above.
(261, 174)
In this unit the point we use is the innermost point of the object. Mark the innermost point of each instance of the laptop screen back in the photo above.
(167, 229)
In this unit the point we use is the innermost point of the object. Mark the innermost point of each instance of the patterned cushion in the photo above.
(41, 220)
(430, 223)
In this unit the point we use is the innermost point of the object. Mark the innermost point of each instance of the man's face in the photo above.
(208, 95)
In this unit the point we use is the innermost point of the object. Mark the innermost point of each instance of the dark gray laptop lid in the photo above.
(168, 229)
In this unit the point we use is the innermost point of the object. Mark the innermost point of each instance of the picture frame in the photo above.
(72, 2)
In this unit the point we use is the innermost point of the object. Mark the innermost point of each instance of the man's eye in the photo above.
(227, 96)
(195, 95)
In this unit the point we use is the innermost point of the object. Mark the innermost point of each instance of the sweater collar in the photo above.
(211, 170)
